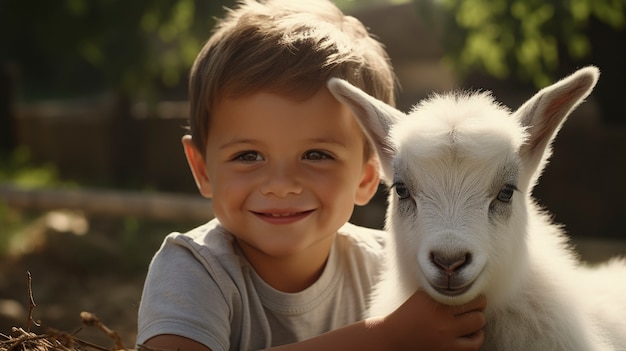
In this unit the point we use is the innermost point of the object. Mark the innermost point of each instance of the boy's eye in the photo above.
(315, 155)
(248, 156)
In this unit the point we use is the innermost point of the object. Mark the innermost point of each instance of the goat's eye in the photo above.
(506, 193)
(401, 190)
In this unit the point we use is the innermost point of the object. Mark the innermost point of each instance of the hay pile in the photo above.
(22, 339)
(52, 340)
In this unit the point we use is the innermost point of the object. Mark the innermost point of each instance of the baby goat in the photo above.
(463, 222)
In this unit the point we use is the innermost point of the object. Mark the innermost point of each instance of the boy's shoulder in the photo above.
(363, 237)
(209, 243)
(209, 230)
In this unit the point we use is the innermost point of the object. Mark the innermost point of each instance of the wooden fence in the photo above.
(158, 206)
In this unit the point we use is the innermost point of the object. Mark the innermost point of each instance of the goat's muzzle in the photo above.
(449, 280)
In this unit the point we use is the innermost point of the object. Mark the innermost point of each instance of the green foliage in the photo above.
(522, 38)
(19, 169)
(351, 5)
(12, 222)
(130, 47)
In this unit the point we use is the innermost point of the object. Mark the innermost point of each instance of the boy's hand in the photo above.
(422, 323)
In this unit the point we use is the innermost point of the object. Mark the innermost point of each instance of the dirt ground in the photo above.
(60, 298)
(101, 271)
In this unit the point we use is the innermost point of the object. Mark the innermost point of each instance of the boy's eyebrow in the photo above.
(328, 140)
(234, 142)
(320, 140)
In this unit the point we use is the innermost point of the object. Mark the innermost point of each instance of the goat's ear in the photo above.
(544, 114)
(375, 118)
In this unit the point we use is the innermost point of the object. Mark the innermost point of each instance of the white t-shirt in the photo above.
(200, 286)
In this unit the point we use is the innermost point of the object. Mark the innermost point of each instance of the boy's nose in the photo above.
(281, 180)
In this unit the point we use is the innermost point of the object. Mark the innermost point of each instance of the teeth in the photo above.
(280, 215)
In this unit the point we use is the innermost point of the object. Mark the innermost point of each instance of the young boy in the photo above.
(284, 164)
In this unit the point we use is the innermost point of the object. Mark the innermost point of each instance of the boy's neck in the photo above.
(293, 273)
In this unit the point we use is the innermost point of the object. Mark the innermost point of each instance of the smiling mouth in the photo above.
(282, 217)
(278, 215)
(281, 214)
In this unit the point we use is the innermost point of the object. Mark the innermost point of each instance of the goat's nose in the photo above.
(450, 263)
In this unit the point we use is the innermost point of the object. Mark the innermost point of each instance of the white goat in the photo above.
(462, 168)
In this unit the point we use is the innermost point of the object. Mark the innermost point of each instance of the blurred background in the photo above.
(93, 106)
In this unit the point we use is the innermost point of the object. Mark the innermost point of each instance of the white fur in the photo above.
(452, 156)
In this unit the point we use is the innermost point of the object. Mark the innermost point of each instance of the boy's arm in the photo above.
(419, 324)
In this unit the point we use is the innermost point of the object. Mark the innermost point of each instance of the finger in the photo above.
(469, 323)
(471, 342)
(477, 304)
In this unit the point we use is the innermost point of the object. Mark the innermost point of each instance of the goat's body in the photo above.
(552, 310)
(463, 221)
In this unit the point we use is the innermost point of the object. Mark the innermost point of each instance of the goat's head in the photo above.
(461, 168)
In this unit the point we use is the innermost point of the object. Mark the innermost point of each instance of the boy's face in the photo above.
(284, 175)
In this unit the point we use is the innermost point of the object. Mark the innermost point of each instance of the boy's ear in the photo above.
(370, 180)
(197, 166)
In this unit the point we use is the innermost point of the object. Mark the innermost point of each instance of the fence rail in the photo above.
(158, 206)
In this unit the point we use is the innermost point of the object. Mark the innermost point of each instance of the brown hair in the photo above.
(288, 47)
